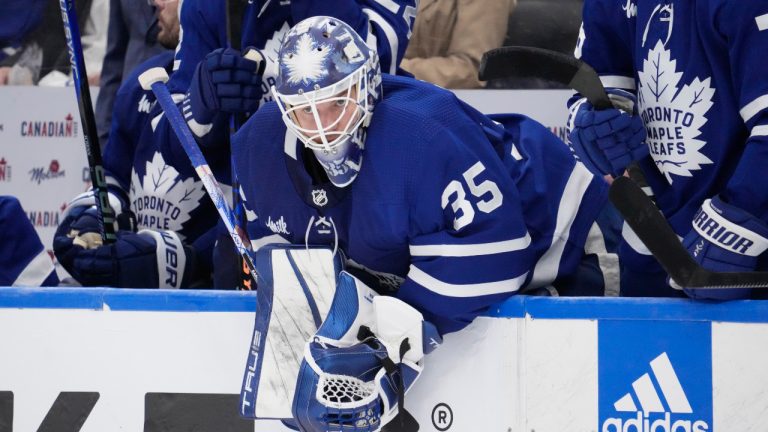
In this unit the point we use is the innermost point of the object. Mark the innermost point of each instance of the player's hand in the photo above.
(361, 362)
(606, 141)
(147, 259)
(725, 238)
(224, 81)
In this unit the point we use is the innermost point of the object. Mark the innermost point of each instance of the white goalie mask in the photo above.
(328, 83)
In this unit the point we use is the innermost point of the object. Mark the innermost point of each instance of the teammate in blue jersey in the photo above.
(449, 210)
(170, 242)
(23, 259)
(696, 70)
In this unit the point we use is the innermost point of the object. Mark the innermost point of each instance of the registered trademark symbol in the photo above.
(442, 417)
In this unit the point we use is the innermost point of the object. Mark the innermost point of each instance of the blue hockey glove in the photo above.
(361, 361)
(725, 238)
(606, 141)
(147, 259)
(224, 81)
(118, 200)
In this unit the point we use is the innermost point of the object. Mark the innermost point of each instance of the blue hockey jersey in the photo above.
(451, 210)
(23, 259)
(699, 72)
(164, 193)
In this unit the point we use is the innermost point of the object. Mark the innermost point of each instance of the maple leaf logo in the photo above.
(161, 200)
(305, 63)
(673, 116)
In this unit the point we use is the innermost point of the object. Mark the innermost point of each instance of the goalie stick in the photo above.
(106, 215)
(154, 79)
(637, 209)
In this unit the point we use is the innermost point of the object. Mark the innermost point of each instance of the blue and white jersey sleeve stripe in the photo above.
(603, 38)
(23, 259)
(455, 282)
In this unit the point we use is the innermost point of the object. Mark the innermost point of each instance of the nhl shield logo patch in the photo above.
(319, 197)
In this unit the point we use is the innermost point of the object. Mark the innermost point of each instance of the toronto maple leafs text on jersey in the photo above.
(698, 70)
(504, 205)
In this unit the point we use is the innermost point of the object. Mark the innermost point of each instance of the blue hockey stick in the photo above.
(106, 215)
(154, 79)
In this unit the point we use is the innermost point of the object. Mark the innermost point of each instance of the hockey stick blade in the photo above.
(652, 228)
(530, 62)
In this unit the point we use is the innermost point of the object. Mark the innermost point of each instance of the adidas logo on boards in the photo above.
(652, 416)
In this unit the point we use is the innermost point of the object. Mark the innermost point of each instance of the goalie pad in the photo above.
(295, 291)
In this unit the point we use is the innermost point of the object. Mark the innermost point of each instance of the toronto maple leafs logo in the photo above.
(306, 62)
(673, 116)
(161, 200)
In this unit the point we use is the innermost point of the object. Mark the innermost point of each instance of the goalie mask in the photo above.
(328, 83)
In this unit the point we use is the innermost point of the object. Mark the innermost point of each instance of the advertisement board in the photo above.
(171, 361)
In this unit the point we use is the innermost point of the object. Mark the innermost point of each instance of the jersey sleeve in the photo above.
(744, 26)
(384, 24)
(23, 258)
(203, 27)
(605, 42)
(469, 246)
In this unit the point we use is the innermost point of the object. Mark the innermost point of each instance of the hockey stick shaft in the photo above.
(106, 214)
(654, 231)
(154, 79)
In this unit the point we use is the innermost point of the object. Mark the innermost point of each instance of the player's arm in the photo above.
(385, 24)
(209, 81)
(23, 258)
(470, 247)
(742, 207)
(606, 141)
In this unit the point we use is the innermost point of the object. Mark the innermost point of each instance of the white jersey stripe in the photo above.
(548, 265)
(472, 249)
(464, 290)
(754, 107)
(36, 271)
(617, 81)
(608, 262)
(759, 131)
(762, 22)
(389, 33)
(670, 385)
(649, 399)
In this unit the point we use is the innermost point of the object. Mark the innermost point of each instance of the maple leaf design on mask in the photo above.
(306, 62)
